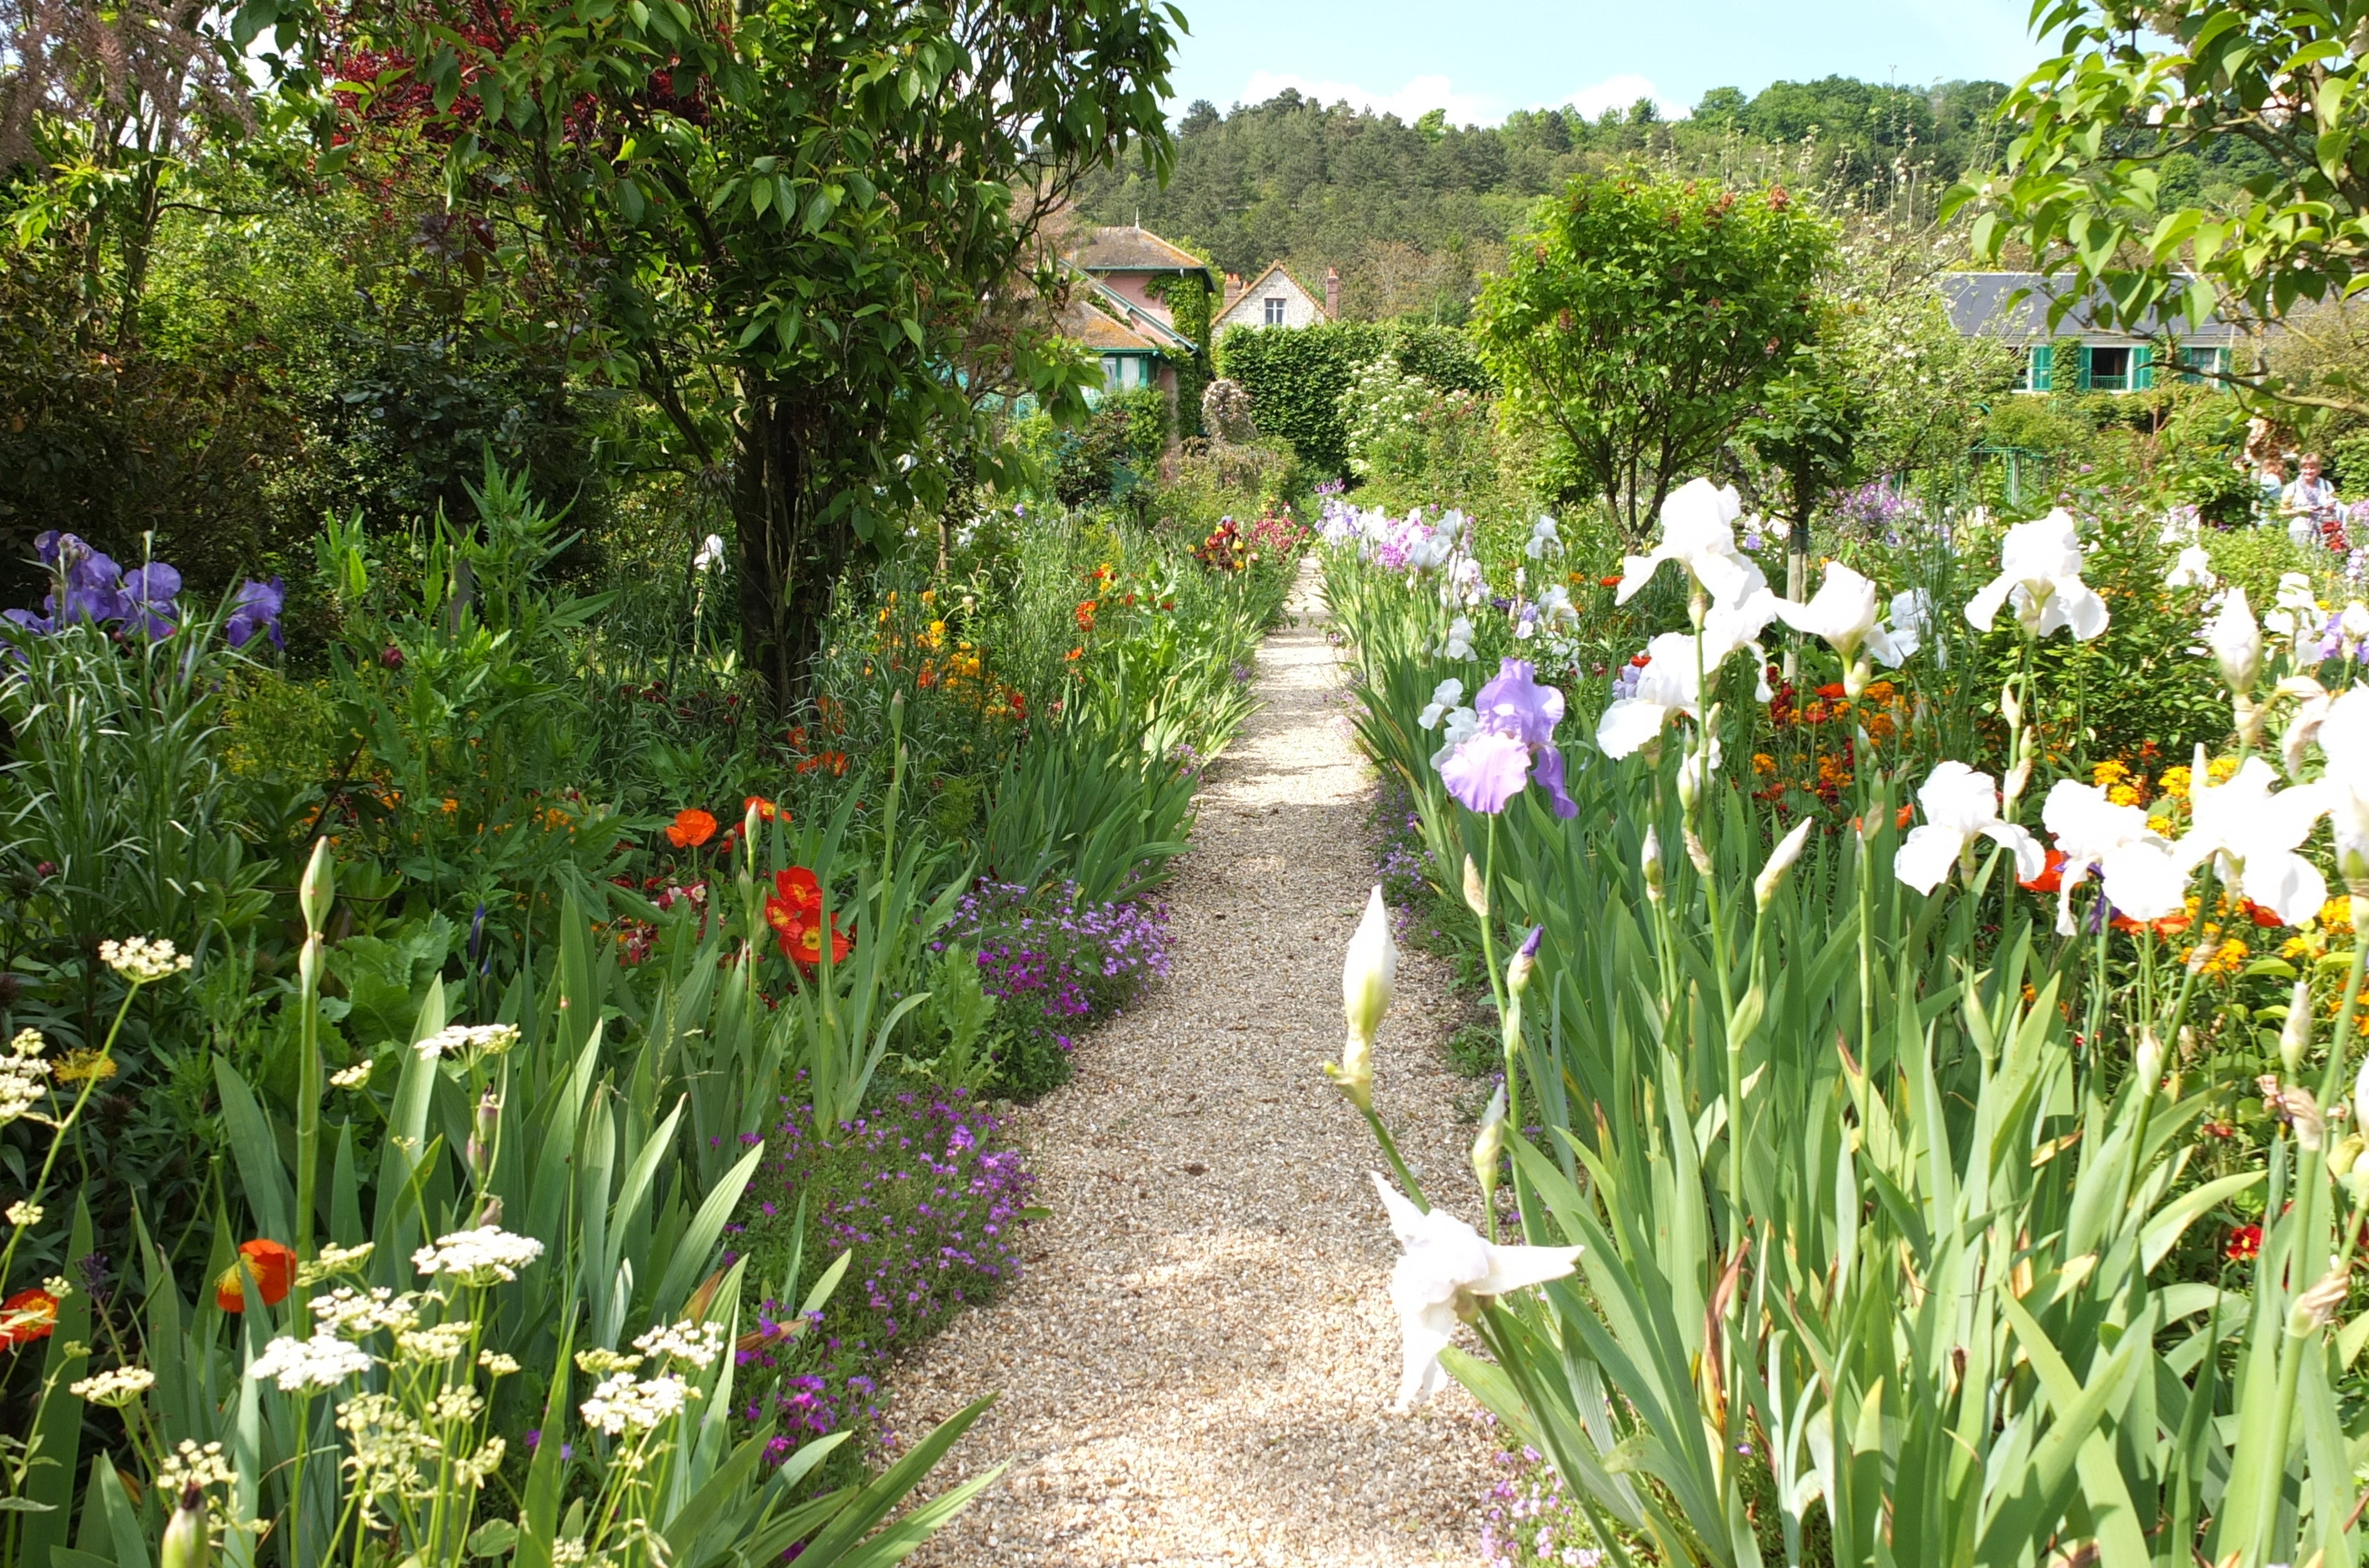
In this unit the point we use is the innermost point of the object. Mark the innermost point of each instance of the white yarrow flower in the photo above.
(321, 1362)
(478, 1257)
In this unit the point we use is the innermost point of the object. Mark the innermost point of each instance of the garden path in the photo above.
(1197, 1365)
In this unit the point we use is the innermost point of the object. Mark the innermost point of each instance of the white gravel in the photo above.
(1197, 1365)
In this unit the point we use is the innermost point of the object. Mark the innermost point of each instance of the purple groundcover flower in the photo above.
(1515, 739)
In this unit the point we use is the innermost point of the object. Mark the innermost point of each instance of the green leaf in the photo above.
(493, 1539)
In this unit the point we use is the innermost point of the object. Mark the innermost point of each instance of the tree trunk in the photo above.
(789, 557)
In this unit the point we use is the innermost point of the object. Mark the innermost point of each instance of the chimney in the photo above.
(1233, 289)
(1331, 293)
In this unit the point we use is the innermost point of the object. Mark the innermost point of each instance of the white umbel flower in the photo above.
(624, 1402)
(116, 1388)
(488, 1039)
(482, 1257)
(142, 960)
(321, 1362)
(696, 1344)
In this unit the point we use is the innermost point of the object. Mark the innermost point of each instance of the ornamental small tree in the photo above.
(1640, 320)
(2190, 155)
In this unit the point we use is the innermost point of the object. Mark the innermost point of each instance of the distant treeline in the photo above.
(1414, 214)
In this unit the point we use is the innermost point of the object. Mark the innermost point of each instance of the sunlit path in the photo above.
(1198, 1365)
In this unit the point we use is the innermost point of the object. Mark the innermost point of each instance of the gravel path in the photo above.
(1197, 1366)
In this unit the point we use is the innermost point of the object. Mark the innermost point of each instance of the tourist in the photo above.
(2310, 505)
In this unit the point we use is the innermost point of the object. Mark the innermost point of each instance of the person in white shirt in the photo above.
(2310, 505)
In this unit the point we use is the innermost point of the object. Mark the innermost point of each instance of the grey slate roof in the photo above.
(1984, 305)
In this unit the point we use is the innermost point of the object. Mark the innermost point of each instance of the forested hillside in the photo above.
(1413, 213)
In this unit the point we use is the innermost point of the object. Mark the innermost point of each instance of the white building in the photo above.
(1276, 298)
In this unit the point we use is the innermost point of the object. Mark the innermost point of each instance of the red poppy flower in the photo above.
(2052, 876)
(2245, 1243)
(806, 948)
(766, 810)
(1613, 581)
(2262, 916)
(1832, 691)
(692, 828)
(271, 1264)
(27, 1316)
(795, 903)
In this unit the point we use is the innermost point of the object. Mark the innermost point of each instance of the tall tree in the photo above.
(1641, 321)
(2098, 183)
(802, 222)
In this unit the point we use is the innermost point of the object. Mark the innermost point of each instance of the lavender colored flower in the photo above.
(1516, 719)
(256, 612)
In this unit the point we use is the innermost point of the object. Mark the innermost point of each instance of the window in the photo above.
(2109, 366)
(2034, 364)
(2196, 363)
(1275, 310)
(1113, 372)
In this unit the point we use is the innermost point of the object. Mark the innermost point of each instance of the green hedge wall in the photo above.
(1296, 378)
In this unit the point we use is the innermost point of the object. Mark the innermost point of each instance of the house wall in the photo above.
(1137, 287)
(1299, 310)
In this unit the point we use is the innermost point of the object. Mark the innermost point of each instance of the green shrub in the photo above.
(1297, 378)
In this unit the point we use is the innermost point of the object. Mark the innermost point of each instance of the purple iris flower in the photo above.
(257, 609)
(148, 595)
(1514, 742)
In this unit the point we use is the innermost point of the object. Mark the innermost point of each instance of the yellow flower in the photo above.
(2223, 770)
(2122, 794)
(2105, 773)
(2162, 825)
(85, 1063)
(2175, 784)
(1762, 762)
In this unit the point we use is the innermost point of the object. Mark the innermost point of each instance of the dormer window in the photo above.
(1275, 310)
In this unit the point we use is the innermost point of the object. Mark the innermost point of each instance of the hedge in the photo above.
(1295, 377)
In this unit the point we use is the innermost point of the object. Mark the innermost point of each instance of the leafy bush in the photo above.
(1296, 378)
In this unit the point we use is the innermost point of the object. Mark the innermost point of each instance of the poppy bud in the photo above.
(186, 1543)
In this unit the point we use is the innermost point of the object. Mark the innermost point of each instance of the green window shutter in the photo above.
(2084, 367)
(2142, 367)
(2042, 358)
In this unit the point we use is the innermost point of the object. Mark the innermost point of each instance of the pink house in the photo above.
(1124, 321)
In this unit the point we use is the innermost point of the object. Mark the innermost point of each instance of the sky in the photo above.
(1479, 58)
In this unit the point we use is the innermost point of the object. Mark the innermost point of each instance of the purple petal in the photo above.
(1486, 771)
(1515, 704)
(1549, 772)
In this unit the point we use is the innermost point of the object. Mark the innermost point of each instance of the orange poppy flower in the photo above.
(27, 1316)
(2052, 876)
(2261, 915)
(692, 828)
(272, 1265)
(766, 810)
(795, 904)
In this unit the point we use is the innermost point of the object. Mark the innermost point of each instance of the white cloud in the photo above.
(1409, 102)
(1619, 92)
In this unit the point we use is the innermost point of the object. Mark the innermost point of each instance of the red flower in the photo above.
(2245, 1243)
(806, 951)
(766, 810)
(2052, 876)
(2262, 916)
(2217, 1129)
(795, 903)
(271, 1264)
(692, 828)
(27, 1316)
(1832, 691)
(1613, 581)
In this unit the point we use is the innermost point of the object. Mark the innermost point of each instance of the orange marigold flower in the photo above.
(272, 1265)
(692, 828)
(27, 1316)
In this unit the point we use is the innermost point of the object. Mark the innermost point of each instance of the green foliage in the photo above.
(1297, 378)
(1411, 442)
(2102, 182)
(1642, 320)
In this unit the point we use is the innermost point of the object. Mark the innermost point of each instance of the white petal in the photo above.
(2077, 607)
(1422, 1336)
(1629, 723)
(1406, 1220)
(1984, 608)
(1927, 855)
(2031, 859)
(1510, 1268)
(2145, 882)
(2287, 883)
